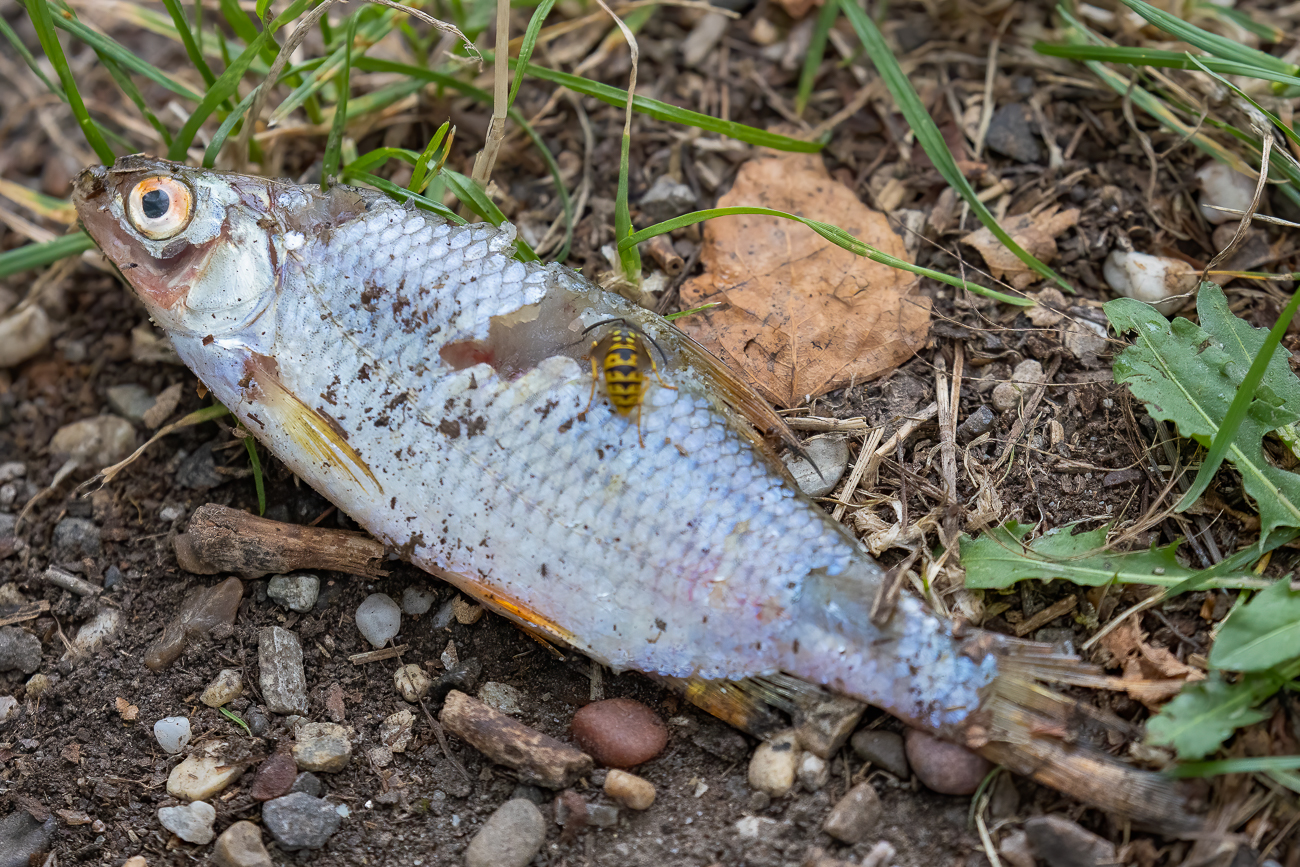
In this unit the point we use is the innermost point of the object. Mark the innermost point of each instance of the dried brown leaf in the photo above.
(1152, 675)
(801, 316)
(1037, 233)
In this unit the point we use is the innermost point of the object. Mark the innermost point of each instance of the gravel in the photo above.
(299, 821)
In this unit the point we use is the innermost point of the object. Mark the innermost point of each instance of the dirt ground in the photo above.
(70, 753)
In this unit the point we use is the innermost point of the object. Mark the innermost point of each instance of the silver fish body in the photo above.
(435, 389)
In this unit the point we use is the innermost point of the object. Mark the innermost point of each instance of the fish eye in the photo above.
(160, 207)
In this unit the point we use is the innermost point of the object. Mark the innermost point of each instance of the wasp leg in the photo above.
(639, 438)
(654, 368)
(594, 376)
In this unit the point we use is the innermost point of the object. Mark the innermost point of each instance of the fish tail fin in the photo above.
(1033, 730)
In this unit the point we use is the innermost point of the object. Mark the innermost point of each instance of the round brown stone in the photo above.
(274, 777)
(943, 767)
(619, 732)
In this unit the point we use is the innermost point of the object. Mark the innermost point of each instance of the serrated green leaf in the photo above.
(1189, 374)
(1205, 714)
(1262, 633)
(1000, 558)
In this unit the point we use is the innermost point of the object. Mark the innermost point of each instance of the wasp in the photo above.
(622, 357)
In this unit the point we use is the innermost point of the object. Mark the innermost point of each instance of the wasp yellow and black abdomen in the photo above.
(624, 381)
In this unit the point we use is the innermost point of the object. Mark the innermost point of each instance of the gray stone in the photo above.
(198, 471)
(1062, 843)
(379, 619)
(97, 632)
(75, 538)
(883, 749)
(1011, 133)
(830, 455)
(21, 837)
(308, 783)
(322, 747)
(855, 815)
(976, 424)
(666, 199)
(191, 822)
(501, 696)
(299, 821)
(296, 592)
(446, 615)
(824, 724)
(95, 442)
(509, 838)
(418, 600)
(19, 650)
(284, 683)
(130, 401)
(11, 470)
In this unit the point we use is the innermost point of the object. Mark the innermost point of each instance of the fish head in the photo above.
(199, 248)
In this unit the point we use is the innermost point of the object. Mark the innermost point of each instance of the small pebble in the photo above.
(227, 686)
(299, 821)
(1161, 281)
(309, 783)
(855, 815)
(258, 724)
(467, 613)
(1016, 851)
(667, 198)
(282, 678)
(813, 772)
(9, 707)
(1226, 187)
(75, 538)
(130, 401)
(172, 734)
(631, 791)
(501, 696)
(274, 777)
(828, 454)
(96, 632)
(191, 822)
(619, 732)
(379, 619)
(417, 600)
(1011, 133)
(199, 778)
(19, 650)
(509, 838)
(602, 815)
(1007, 395)
(1062, 843)
(412, 682)
(95, 442)
(825, 725)
(168, 514)
(446, 615)
(884, 750)
(976, 424)
(380, 757)
(207, 610)
(772, 768)
(11, 470)
(943, 767)
(241, 845)
(322, 747)
(23, 335)
(297, 592)
(37, 685)
(395, 731)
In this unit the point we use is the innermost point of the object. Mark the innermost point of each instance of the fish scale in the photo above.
(436, 390)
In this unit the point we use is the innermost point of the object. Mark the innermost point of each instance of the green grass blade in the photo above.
(424, 166)
(832, 233)
(256, 463)
(187, 39)
(1219, 46)
(1163, 60)
(617, 97)
(27, 57)
(629, 256)
(812, 61)
(928, 135)
(227, 127)
(529, 43)
(1240, 404)
(38, 255)
(477, 200)
(41, 20)
(1291, 135)
(127, 86)
(334, 144)
(402, 195)
(239, 21)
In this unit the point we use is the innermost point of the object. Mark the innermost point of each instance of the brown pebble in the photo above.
(943, 767)
(855, 815)
(619, 732)
(630, 790)
(540, 759)
(206, 611)
(274, 777)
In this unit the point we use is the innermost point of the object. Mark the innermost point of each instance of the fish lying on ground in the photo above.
(438, 391)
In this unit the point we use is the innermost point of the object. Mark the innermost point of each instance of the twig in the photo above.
(378, 655)
(442, 741)
(30, 611)
(496, 134)
(866, 457)
(1244, 226)
(1047, 615)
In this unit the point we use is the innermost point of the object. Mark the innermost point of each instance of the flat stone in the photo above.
(240, 845)
(96, 632)
(19, 650)
(95, 442)
(130, 401)
(976, 424)
(207, 610)
(855, 815)
(395, 731)
(380, 757)
(281, 675)
(322, 747)
(191, 822)
(509, 838)
(75, 538)
(417, 600)
(227, 686)
(824, 722)
(9, 706)
(1011, 133)
(885, 750)
(200, 777)
(297, 592)
(501, 696)
(666, 199)
(1062, 843)
(299, 821)
(773, 766)
(309, 783)
(943, 767)
(830, 455)
(274, 777)
(22, 837)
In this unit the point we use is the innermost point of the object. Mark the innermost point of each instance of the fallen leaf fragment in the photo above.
(800, 316)
(126, 710)
(1152, 675)
(1037, 233)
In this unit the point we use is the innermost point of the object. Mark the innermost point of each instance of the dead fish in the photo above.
(437, 390)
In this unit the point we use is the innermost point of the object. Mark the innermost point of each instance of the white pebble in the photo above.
(772, 768)
(191, 822)
(1226, 188)
(417, 600)
(813, 772)
(1161, 282)
(173, 733)
(379, 619)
